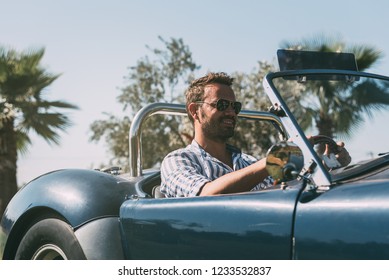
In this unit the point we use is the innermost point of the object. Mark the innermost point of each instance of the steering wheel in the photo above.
(322, 139)
(330, 159)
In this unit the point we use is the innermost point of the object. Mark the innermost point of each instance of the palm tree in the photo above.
(339, 113)
(23, 109)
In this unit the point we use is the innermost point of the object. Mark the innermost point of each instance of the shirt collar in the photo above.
(234, 150)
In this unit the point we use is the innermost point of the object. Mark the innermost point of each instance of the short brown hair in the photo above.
(195, 91)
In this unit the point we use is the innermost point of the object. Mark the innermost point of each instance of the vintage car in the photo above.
(317, 209)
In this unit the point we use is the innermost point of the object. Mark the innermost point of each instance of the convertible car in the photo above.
(316, 209)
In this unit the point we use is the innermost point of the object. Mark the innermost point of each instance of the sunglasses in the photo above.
(222, 105)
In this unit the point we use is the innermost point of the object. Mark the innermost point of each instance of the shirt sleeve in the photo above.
(266, 183)
(181, 175)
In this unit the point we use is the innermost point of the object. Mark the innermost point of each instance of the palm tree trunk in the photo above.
(8, 160)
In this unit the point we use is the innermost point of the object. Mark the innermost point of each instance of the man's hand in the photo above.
(332, 157)
(342, 156)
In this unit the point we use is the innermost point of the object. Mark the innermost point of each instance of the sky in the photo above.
(91, 43)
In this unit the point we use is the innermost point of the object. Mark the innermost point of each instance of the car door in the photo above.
(254, 225)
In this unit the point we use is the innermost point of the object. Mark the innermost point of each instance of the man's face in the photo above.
(217, 125)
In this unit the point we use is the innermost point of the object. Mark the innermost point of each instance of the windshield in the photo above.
(349, 108)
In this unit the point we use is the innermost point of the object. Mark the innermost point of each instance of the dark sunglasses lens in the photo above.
(223, 104)
(237, 107)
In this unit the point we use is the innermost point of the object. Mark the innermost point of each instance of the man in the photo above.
(210, 166)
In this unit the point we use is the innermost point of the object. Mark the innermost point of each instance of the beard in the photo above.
(218, 129)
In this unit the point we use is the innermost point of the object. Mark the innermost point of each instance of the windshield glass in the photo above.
(353, 109)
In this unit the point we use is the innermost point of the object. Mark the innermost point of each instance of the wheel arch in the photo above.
(91, 235)
(23, 224)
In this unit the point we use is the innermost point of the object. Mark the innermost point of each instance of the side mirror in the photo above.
(284, 161)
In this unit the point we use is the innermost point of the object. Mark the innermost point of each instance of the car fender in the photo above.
(106, 243)
(74, 195)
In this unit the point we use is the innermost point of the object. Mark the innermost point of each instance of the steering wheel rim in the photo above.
(329, 159)
(322, 139)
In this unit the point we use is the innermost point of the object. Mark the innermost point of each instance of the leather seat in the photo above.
(156, 192)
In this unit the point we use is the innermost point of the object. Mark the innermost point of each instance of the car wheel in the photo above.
(50, 239)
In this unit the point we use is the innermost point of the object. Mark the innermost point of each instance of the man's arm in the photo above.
(238, 181)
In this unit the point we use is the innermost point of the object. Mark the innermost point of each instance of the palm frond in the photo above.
(23, 82)
(23, 141)
(46, 125)
(365, 56)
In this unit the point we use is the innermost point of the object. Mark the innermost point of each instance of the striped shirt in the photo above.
(185, 171)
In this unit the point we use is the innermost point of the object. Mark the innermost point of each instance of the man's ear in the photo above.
(192, 107)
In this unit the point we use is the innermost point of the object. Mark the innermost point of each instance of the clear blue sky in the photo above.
(92, 43)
